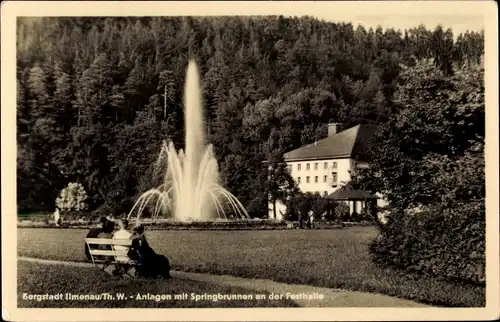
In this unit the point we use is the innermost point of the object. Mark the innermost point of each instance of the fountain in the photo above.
(190, 190)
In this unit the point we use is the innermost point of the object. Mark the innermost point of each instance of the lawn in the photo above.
(327, 258)
(55, 279)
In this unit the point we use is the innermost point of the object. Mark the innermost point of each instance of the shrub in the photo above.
(292, 209)
(73, 216)
(72, 198)
(355, 217)
(218, 225)
(103, 211)
(342, 212)
(440, 242)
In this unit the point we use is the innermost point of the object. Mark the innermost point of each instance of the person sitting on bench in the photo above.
(122, 233)
(107, 233)
(93, 233)
(152, 264)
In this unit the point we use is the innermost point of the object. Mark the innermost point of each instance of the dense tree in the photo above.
(431, 151)
(428, 161)
(281, 185)
(91, 89)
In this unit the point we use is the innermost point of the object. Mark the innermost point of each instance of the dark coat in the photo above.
(152, 264)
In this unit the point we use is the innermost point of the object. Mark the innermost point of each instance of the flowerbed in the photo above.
(215, 225)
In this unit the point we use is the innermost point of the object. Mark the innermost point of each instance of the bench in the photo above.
(113, 261)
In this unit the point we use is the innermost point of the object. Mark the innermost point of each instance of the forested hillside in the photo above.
(96, 96)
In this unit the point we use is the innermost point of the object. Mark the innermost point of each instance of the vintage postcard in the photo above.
(221, 161)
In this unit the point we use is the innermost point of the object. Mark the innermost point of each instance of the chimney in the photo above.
(334, 128)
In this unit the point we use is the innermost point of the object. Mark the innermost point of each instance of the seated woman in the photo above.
(152, 264)
(107, 233)
(93, 233)
(122, 233)
(107, 230)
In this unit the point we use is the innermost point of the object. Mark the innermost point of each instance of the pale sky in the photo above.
(458, 15)
(459, 24)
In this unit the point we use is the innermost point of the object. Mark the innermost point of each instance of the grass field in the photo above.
(55, 279)
(327, 258)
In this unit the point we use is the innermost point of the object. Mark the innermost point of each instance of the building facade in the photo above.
(326, 165)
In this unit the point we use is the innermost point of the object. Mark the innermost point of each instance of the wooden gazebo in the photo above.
(358, 200)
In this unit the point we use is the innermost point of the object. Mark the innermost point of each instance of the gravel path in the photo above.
(304, 295)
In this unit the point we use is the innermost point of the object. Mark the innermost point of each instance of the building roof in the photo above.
(351, 195)
(348, 143)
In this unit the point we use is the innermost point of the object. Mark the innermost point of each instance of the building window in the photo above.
(326, 193)
(289, 168)
(307, 179)
(316, 179)
(325, 178)
(316, 192)
(325, 165)
(316, 166)
(334, 178)
(298, 167)
(308, 167)
(334, 165)
(298, 180)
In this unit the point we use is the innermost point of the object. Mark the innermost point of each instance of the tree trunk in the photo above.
(274, 208)
(79, 109)
(165, 103)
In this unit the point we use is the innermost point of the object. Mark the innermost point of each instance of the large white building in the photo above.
(324, 166)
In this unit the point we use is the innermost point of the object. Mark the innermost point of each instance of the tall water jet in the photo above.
(190, 191)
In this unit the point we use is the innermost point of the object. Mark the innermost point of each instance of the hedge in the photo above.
(215, 225)
(448, 243)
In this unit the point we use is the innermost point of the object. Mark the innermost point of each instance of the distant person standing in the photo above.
(94, 233)
(57, 217)
(311, 219)
(300, 220)
(304, 208)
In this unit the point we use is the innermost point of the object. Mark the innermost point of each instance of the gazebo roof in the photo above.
(351, 195)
